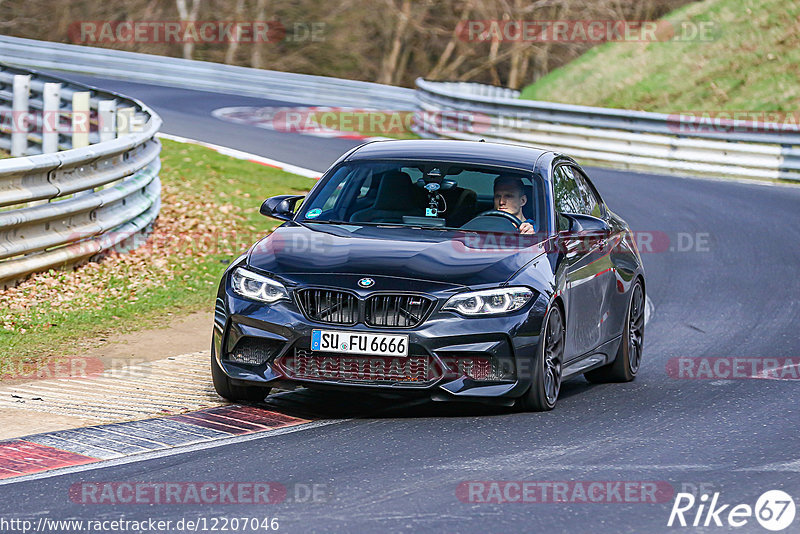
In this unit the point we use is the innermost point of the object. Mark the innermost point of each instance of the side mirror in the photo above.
(280, 207)
(586, 224)
(584, 234)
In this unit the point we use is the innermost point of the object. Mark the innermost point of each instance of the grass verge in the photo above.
(750, 63)
(209, 215)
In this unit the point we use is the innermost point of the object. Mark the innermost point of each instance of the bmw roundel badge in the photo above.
(366, 282)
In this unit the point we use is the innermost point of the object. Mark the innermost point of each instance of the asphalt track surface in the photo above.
(396, 466)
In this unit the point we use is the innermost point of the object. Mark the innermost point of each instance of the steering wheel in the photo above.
(505, 215)
(493, 221)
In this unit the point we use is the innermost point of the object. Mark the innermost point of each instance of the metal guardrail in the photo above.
(202, 75)
(622, 138)
(83, 176)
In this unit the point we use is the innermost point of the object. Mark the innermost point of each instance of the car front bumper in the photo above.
(255, 343)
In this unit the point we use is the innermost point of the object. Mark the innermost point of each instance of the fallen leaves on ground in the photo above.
(187, 232)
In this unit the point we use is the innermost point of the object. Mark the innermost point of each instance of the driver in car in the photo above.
(509, 196)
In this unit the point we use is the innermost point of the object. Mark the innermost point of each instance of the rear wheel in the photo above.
(629, 355)
(546, 383)
(231, 392)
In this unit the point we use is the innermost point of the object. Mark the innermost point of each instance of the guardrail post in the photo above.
(42, 188)
(80, 119)
(106, 123)
(19, 115)
(124, 121)
(51, 117)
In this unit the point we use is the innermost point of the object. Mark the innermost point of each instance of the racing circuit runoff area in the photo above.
(704, 440)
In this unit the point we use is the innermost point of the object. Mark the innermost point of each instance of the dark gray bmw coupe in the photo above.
(453, 270)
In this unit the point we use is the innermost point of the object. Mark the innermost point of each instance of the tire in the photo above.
(546, 382)
(629, 355)
(231, 392)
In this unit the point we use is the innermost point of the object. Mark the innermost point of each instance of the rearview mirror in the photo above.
(280, 207)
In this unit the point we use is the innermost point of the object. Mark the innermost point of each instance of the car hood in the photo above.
(450, 257)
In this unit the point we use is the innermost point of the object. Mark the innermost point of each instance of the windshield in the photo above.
(427, 194)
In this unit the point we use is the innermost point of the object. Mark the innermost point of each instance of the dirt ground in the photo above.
(180, 335)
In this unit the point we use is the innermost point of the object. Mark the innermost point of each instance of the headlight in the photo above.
(489, 301)
(254, 286)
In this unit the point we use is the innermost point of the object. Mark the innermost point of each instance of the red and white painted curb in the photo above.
(238, 154)
(63, 449)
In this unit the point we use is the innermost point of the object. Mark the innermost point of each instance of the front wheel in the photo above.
(629, 355)
(546, 382)
(231, 392)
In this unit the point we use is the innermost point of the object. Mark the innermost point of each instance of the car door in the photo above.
(609, 298)
(583, 265)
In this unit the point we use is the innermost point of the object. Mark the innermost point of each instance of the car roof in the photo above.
(514, 156)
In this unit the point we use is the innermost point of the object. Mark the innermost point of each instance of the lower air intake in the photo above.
(477, 367)
(307, 365)
(254, 351)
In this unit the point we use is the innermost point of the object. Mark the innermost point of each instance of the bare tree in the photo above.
(390, 41)
(389, 66)
(255, 55)
(455, 35)
(233, 45)
(188, 16)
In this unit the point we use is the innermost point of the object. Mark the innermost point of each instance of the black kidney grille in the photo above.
(329, 306)
(396, 310)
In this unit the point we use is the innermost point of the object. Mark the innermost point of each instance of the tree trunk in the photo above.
(230, 53)
(188, 16)
(389, 65)
(261, 15)
(434, 73)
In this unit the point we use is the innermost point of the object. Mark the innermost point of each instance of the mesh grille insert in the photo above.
(307, 365)
(254, 351)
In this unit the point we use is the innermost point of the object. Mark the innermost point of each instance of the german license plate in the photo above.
(359, 343)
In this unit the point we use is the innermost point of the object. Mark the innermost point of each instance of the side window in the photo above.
(567, 193)
(592, 203)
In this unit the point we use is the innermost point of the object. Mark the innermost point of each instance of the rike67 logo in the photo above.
(774, 510)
